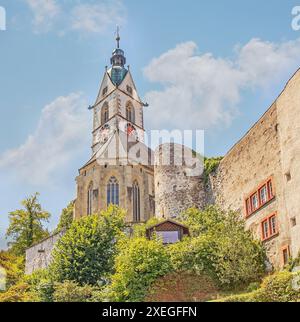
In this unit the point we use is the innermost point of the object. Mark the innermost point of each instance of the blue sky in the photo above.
(213, 65)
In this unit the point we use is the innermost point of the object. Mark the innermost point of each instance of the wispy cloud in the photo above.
(59, 137)
(90, 17)
(208, 89)
(97, 18)
(44, 13)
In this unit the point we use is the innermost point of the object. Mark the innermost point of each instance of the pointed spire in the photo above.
(118, 58)
(118, 38)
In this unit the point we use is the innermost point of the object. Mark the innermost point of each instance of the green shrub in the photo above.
(13, 265)
(280, 288)
(139, 230)
(138, 264)
(20, 292)
(221, 247)
(72, 292)
(85, 254)
(210, 165)
(193, 255)
(41, 283)
(253, 287)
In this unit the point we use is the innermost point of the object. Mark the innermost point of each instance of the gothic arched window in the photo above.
(105, 113)
(113, 192)
(90, 199)
(136, 202)
(130, 115)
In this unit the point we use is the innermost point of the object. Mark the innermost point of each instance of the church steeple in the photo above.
(118, 106)
(117, 72)
(118, 58)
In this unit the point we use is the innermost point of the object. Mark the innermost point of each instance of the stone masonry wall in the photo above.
(250, 162)
(178, 184)
(288, 111)
(39, 256)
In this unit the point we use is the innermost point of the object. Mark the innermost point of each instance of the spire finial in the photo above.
(118, 38)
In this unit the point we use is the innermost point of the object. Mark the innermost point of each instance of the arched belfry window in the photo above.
(136, 202)
(104, 114)
(130, 114)
(90, 199)
(113, 192)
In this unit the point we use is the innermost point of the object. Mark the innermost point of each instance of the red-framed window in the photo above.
(286, 255)
(269, 227)
(270, 189)
(259, 197)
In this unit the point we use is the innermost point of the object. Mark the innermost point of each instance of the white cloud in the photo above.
(60, 135)
(202, 91)
(97, 18)
(89, 17)
(44, 13)
(263, 62)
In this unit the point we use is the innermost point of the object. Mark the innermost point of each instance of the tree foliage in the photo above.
(220, 246)
(85, 254)
(26, 225)
(210, 165)
(138, 264)
(139, 230)
(20, 292)
(41, 284)
(66, 218)
(13, 266)
(72, 292)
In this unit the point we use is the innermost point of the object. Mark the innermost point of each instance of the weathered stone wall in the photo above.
(179, 182)
(39, 256)
(288, 111)
(250, 162)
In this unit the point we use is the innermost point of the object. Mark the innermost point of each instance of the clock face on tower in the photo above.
(103, 134)
(131, 132)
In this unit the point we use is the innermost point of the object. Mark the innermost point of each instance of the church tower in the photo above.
(118, 107)
(120, 170)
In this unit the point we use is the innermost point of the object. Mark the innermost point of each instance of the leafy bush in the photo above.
(21, 292)
(72, 292)
(40, 283)
(281, 287)
(210, 165)
(221, 247)
(13, 265)
(139, 230)
(85, 254)
(138, 264)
